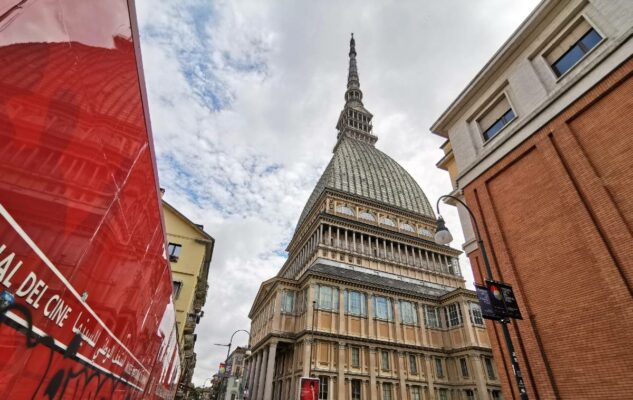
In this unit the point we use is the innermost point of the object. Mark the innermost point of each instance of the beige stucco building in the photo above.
(189, 249)
(366, 301)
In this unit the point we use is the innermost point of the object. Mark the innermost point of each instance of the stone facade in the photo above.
(366, 301)
(553, 193)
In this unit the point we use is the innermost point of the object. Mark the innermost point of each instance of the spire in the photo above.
(353, 93)
(354, 121)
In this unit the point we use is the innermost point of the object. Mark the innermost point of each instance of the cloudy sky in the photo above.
(244, 97)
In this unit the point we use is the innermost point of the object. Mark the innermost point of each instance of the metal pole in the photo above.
(514, 360)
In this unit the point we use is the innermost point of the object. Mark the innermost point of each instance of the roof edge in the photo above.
(539, 13)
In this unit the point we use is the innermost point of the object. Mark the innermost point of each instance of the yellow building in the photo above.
(189, 249)
(367, 301)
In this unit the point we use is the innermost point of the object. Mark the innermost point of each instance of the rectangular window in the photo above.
(355, 357)
(176, 288)
(386, 391)
(383, 308)
(496, 395)
(489, 368)
(476, 317)
(443, 394)
(497, 117)
(464, 365)
(384, 360)
(288, 301)
(470, 395)
(432, 317)
(355, 389)
(355, 303)
(413, 364)
(453, 315)
(327, 298)
(416, 393)
(173, 251)
(324, 386)
(439, 369)
(572, 47)
(408, 312)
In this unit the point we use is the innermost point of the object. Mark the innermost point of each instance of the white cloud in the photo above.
(244, 97)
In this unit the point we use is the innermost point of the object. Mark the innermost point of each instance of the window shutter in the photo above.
(494, 113)
(568, 41)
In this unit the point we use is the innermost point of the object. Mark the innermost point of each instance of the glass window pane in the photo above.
(591, 39)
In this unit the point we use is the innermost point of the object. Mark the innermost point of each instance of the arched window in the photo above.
(407, 227)
(368, 216)
(388, 221)
(425, 232)
(344, 210)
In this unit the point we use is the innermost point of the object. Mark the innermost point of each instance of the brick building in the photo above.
(367, 301)
(540, 146)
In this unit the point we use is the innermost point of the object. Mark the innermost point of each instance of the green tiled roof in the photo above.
(360, 169)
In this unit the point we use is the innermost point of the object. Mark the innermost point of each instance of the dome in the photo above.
(359, 169)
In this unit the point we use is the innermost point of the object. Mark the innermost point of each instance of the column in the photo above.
(307, 344)
(341, 371)
(270, 371)
(401, 373)
(372, 374)
(370, 315)
(428, 372)
(262, 372)
(341, 311)
(480, 376)
(252, 370)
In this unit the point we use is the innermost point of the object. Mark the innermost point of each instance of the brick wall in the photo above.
(557, 215)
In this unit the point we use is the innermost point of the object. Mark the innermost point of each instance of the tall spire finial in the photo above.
(354, 121)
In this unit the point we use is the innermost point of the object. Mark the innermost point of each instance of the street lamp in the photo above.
(443, 236)
(228, 353)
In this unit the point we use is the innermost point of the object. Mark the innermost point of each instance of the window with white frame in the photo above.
(408, 312)
(355, 357)
(476, 317)
(572, 47)
(324, 386)
(383, 308)
(432, 317)
(288, 301)
(327, 297)
(496, 118)
(355, 302)
(453, 315)
(387, 391)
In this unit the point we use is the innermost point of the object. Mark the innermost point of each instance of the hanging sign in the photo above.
(487, 309)
(503, 300)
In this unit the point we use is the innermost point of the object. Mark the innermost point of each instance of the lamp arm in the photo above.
(477, 233)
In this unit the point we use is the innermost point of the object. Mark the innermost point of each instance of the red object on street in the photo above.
(309, 389)
(86, 306)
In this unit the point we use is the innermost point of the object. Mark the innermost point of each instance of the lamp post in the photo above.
(443, 236)
(228, 353)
